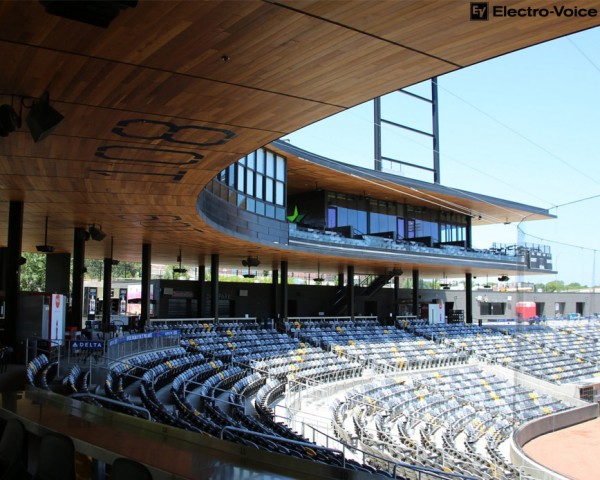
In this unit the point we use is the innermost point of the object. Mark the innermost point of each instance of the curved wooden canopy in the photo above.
(171, 92)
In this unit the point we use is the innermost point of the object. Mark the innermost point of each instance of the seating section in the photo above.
(385, 349)
(405, 400)
(554, 356)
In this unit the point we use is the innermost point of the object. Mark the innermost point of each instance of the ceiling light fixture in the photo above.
(319, 279)
(42, 118)
(97, 13)
(251, 262)
(9, 120)
(96, 232)
(180, 269)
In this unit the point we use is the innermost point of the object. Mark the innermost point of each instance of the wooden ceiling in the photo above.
(172, 92)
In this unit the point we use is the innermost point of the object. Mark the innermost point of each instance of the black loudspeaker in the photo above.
(42, 119)
(9, 120)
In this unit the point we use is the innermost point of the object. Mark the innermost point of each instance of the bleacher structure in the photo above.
(417, 401)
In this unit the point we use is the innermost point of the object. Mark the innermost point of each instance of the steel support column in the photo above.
(80, 236)
(351, 291)
(284, 290)
(106, 296)
(274, 294)
(415, 293)
(146, 273)
(214, 286)
(12, 276)
(468, 298)
(396, 298)
(201, 279)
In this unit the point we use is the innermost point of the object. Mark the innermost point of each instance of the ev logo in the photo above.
(479, 11)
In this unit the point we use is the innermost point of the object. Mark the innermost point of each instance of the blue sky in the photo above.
(524, 126)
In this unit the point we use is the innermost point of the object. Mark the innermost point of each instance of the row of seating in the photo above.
(41, 371)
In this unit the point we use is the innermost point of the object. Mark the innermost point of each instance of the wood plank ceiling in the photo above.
(172, 92)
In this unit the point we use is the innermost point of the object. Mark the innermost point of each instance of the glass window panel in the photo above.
(279, 196)
(241, 201)
(225, 193)
(260, 208)
(250, 204)
(362, 221)
(269, 190)
(240, 179)
(342, 217)
(280, 170)
(260, 187)
(231, 175)
(251, 160)
(331, 217)
(242, 161)
(250, 182)
(400, 227)
(270, 164)
(260, 160)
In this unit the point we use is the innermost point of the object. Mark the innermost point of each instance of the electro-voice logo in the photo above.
(482, 11)
(479, 10)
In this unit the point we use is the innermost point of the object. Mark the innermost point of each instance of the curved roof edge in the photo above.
(476, 204)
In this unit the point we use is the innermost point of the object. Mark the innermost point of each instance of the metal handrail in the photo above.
(101, 398)
(312, 446)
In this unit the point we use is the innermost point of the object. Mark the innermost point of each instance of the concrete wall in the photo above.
(542, 426)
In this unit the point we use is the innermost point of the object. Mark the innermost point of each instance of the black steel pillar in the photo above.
(201, 278)
(79, 238)
(351, 291)
(12, 278)
(396, 298)
(415, 293)
(435, 131)
(275, 294)
(214, 286)
(469, 233)
(284, 290)
(340, 280)
(377, 133)
(106, 294)
(468, 298)
(146, 273)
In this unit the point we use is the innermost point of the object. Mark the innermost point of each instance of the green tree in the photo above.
(33, 273)
(555, 286)
(95, 268)
(575, 286)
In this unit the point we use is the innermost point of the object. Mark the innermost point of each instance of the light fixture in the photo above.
(487, 283)
(444, 283)
(9, 120)
(96, 232)
(180, 269)
(96, 13)
(251, 262)
(42, 119)
(45, 248)
(319, 279)
(503, 278)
